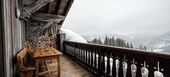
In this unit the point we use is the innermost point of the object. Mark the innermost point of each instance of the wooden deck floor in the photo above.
(70, 68)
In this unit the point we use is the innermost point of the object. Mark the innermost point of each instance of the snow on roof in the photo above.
(72, 36)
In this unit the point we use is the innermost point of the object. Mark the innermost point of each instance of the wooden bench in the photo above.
(25, 62)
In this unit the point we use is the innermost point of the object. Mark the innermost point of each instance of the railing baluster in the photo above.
(92, 58)
(95, 59)
(89, 57)
(81, 54)
(113, 67)
(108, 63)
(77, 56)
(86, 56)
(75, 51)
(102, 63)
(99, 64)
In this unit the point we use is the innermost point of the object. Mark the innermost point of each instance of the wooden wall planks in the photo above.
(1, 47)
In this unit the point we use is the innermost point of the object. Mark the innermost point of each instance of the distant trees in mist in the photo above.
(116, 42)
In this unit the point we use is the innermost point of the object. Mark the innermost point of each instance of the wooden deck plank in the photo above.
(69, 68)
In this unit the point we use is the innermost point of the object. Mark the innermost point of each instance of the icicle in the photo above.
(158, 73)
(117, 67)
(133, 69)
(124, 65)
(144, 71)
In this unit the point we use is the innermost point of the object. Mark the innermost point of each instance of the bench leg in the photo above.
(58, 66)
(48, 69)
(36, 68)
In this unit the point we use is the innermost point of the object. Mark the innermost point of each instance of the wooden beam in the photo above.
(27, 2)
(52, 7)
(27, 11)
(49, 6)
(58, 5)
(47, 17)
(42, 28)
(67, 8)
(62, 6)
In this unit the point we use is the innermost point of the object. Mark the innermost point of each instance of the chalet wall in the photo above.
(7, 38)
(18, 41)
(1, 46)
(18, 37)
(13, 37)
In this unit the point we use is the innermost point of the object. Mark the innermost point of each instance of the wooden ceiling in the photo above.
(54, 7)
(58, 7)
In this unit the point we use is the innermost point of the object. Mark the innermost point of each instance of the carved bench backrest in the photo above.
(29, 45)
(20, 58)
(23, 54)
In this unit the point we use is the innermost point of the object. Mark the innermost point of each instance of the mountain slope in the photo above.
(161, 43)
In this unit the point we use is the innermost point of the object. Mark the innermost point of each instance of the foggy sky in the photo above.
(119, 16)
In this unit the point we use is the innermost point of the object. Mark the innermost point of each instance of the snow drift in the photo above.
(72, 36)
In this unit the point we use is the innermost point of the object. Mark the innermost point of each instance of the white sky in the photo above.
(120, 16)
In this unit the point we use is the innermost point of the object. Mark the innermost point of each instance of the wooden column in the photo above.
(7, 36)
(1, 46)
(60, 40)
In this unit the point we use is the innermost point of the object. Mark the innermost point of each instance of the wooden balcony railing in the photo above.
(109, 61)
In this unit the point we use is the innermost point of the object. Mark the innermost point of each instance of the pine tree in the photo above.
(127, 45)
(131, 46)
(110, 41)
(118, 42)
(123, 43)
(95, 41)
(113, 41)
(100, 42)
(145, 47)
(106, 41)
(140, 47)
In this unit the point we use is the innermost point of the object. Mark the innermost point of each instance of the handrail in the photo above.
(104, 60)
